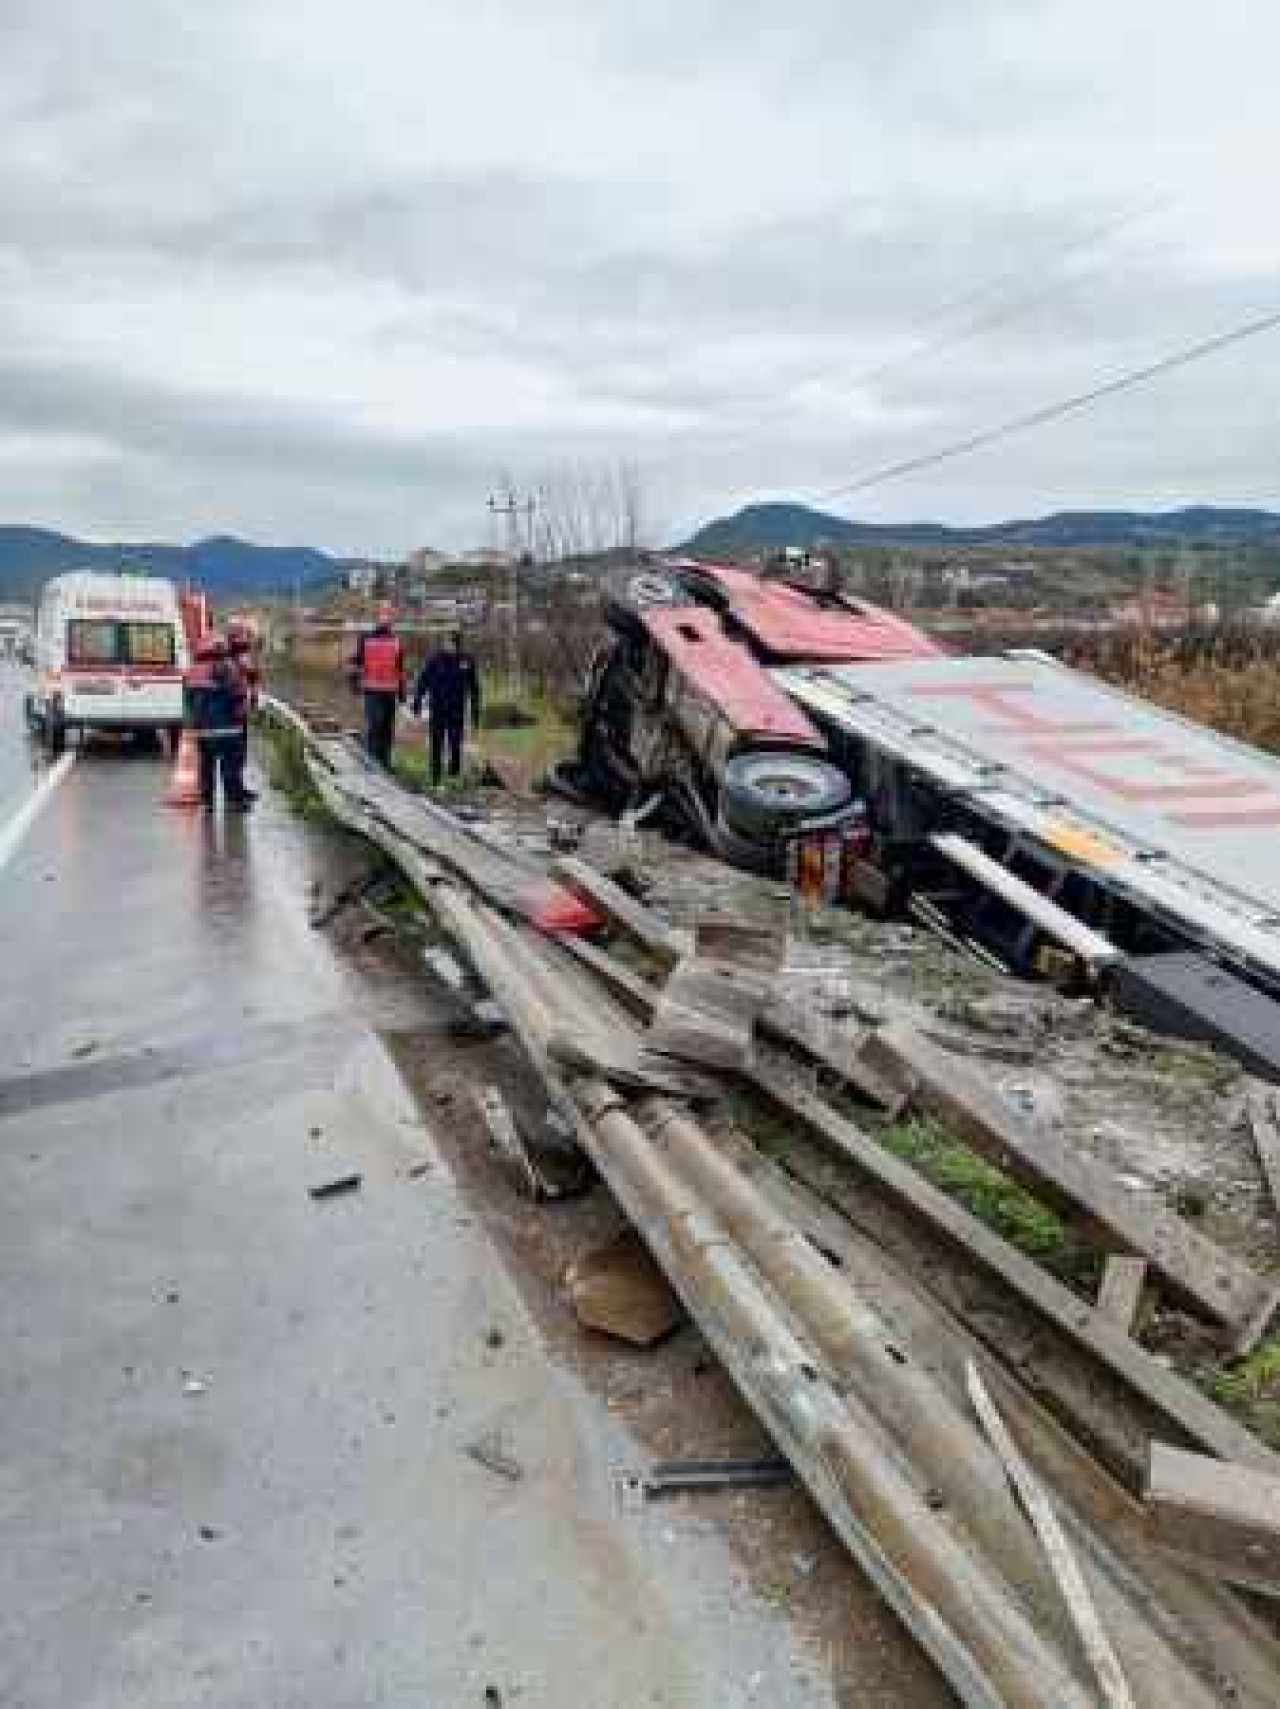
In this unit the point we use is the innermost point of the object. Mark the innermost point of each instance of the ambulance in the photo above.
(110, 652)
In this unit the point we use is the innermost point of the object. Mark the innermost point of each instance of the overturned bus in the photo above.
(1053, 823)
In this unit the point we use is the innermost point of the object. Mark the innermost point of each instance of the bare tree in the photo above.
(586, 510)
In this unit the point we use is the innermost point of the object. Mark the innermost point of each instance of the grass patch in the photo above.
(530, 748)
(522, 753)
(1251, 1389)
(1255, 1378)
(992, 1197)
(411, 764)
(288, 772)
(770, 1133)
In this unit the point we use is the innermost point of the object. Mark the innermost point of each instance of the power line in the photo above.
(1002, 311)
(1052, 412)
(989, 297)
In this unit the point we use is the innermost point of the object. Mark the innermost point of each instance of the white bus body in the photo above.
(110, 652)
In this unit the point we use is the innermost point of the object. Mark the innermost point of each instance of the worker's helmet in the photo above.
(386, 612)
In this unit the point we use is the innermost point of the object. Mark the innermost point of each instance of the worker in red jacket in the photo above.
(377, 671)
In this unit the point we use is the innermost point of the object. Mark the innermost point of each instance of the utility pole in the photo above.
(513, 508)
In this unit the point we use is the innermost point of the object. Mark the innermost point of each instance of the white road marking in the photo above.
(11, 835)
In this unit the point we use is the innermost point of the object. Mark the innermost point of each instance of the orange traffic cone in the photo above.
(184, 786)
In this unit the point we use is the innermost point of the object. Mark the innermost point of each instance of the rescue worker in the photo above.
(212, 702)
(377, 672)
(449, 682)
(242, 651)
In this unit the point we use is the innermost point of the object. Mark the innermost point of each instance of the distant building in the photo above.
(488, 558)
(424, 560)
(464, 607)
(362, 579)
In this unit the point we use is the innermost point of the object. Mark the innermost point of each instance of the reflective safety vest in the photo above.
(381, 662)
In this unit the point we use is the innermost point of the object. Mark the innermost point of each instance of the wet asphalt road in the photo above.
(233, 1419)
(21, 762)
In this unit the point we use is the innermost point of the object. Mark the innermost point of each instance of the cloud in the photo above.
(323, 273)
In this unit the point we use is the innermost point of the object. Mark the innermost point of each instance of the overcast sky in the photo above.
(325, 272)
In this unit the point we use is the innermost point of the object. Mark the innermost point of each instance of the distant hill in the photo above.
(222, 566)
(769, 526)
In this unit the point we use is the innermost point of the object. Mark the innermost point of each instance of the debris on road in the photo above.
(544, 1173)
(945, 1086)
(1220, 1519)
(1120, 1292)
(714, 996)
(684, 1477)
(619, 1290)
(491, 1451)
(504, 1136)
(347, 894)
(797, 1240)
(1062, 1560)
(447, 968)
(1265, 1129)
(336, 1186)
(483, 1019)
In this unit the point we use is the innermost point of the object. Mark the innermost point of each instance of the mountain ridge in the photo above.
(778, 523)
(221, 564)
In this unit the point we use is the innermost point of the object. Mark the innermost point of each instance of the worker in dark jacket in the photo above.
(449, 682)
(212, 701)
(242, 651)
(377, 672)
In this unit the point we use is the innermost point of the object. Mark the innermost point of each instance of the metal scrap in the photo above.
(683, 1477)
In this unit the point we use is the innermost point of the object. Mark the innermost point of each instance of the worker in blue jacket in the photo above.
(213, 701)
(449, 682)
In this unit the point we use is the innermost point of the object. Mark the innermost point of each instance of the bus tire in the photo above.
(749, 854)
(763, 795)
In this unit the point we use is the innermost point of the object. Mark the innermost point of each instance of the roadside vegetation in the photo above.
(518, 741)
(992, 1197)
(1228, 679)
(287, 770)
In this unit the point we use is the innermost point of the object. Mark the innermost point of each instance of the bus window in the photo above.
(92, 641)
(148, 643)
